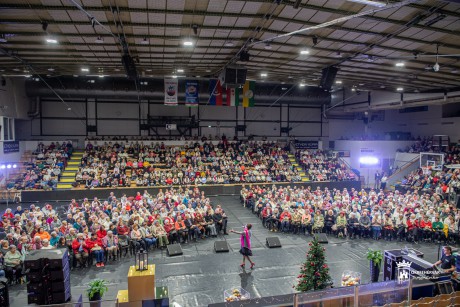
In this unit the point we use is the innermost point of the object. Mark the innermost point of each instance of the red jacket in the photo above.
(411, 225)
(285, 214)
(123, 230)
(90, 243)
(424, 224)
(101, 233)
(266, 212)
(76, 246)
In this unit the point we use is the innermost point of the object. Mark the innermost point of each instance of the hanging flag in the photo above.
(191, 93)
(233, 97)
(171, 92)
(215, 92)
(248, 93)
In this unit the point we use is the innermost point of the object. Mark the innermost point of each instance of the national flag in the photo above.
(215, 92)
(248, 93)
(233, 97)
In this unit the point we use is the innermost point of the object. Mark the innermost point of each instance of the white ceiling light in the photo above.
(382, 86)
(263, 74)
(50, 69)
(51, 41)
(75, 76)
(284, 88)
(3, 39)
(454, 70)
(302, 84)
(304, 51)
(400, 64)
(338, 82)
(353, 89)
(145, 41)
(27, 76)
(400, 89)
(16, 69)
(229, 44)
(174, 76)
(180, 70)
(101, 76)
(188, 42)
(268, 46)
(85, 69)
(99, 40)
(370, 2)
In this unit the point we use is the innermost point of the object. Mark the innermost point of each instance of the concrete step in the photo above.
(67, 180)
(64, 186)
(71, 168)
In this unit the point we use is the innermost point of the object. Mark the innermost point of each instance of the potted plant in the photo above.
(375, 257)
(96, 290)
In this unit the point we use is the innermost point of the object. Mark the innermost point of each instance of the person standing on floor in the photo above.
(245, 245)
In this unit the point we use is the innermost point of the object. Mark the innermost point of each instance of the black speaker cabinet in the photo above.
(273, 242)
(233, 76)
(322, 238)
(4, 297)
(221, 247)
(328, 77)
(174, 250)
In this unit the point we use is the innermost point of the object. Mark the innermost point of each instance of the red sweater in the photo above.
(411, 225)
(424, 224)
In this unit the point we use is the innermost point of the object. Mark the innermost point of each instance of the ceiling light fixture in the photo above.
(99, 40)
(353, 90)
(85, 69)
(229, 44)
(174, 76)
(101, 76)
(51, 41)
(338, 82)
(3, 39)
(263, 74)
(188, 43)
(400, 89)
(400, 64)
(50, 69)
(145, 41)
(370, 2)
(268, 46)
(304, 51)
(180, 70)
(302, 84)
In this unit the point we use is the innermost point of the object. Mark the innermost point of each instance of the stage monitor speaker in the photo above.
(174, 250)
(244, 56)
(129, 65)
(328, 77)
(221, 247)
(322, 238)
(273, 242)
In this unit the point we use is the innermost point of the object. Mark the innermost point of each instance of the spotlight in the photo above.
(304, 51)
(315, 40)
(3, 166)
(400, 64)
(368, 160)
(85, 69)
(338, 82)
(51, 41)
(8, 166)
(209, 126)
(263, 74)
(400, 89)
(180, 70)
(14, 166)
(302, 84)
(44, 25)
(195, 29)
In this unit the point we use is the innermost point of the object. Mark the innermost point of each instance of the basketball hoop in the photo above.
(426, 170)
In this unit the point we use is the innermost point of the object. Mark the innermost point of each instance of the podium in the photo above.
(142, 291)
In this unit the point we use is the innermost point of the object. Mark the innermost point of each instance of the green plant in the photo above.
(96, 286)
(375, 256)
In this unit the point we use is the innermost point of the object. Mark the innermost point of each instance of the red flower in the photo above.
(312, 263)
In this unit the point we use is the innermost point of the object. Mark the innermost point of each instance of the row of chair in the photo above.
(442, 300)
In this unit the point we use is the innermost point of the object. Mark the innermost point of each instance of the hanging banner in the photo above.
(248, 93)
(191, 93)
(171, 92)
(11, 146)
(215, 92)
(233, 97)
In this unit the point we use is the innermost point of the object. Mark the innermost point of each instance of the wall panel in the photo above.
(118, 127)
(65, 127)
(305, 129)
(304, 114)
(263, 129)
(55, 108)
(162, 110)
(117, 110)
(263, 113)
(217, 112)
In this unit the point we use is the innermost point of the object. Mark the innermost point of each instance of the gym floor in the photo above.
(200, 276)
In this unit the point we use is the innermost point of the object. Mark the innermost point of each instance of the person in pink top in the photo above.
(245, 245)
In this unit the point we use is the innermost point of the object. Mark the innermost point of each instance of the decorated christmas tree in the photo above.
(314, 273)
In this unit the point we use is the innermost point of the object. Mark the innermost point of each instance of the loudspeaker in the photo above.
(90, 128)
(273, 242)
(244, 56)
(233, 76)
(221, 247)
(129, 65)
(174, 250)
(321, 237)
(328, 77)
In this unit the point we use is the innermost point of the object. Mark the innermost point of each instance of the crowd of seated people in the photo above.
(44, 171)
(440, 181)
(97, 231)
(120, 164)
(320, 165)
(354, 214)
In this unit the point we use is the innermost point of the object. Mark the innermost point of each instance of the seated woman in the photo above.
(318, 222)
(13, 264)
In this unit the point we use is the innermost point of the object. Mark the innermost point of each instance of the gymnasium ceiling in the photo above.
(365, 48)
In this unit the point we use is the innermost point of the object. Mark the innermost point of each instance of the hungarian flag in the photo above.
(248, 93)
(215, 93)
(233, 97)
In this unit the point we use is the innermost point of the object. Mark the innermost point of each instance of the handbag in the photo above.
(334, 227)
